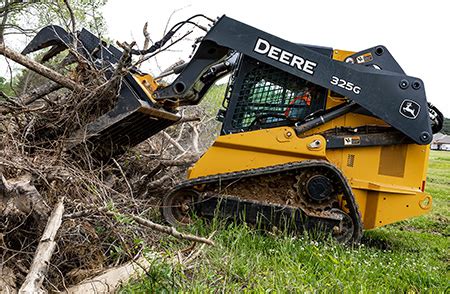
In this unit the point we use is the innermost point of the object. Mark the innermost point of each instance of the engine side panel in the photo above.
(256, 149)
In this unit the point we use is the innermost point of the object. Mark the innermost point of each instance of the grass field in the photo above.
(411, 256)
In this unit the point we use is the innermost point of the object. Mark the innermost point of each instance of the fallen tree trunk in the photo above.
(44, 252)
(39, 68)
(110, 280)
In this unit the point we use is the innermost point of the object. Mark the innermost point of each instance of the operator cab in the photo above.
(262, 96)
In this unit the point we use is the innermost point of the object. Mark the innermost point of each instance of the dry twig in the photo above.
(164, 229)
(173, 142)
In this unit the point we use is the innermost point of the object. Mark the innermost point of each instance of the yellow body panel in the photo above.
(261, 148)
(387, 181)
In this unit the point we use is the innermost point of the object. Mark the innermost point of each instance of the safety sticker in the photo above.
(366, 57)
(355, 140)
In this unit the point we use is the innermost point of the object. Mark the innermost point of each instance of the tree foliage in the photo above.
(25, 17)
(21, 17)
(87, 14)
(5, 87)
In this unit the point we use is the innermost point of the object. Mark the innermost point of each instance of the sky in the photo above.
(415, 32)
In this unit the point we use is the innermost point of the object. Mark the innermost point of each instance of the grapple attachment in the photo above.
(134, 117)
(59, 39)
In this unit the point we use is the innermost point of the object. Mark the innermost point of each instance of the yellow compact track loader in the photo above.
(312, 137)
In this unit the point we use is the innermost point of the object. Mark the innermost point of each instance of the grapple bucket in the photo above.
(134, 117)
(131, 121)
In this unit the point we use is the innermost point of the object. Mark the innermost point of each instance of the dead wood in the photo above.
(141, 221)
(72, 20)
(195, 138)
(194, 254)
(185, 119)
(173, 142)
(179, 162)
(147, 41)
(44, 252)
(163, 229)
(7, 281)
(19, 197)
(158, 183)
(146, 223)
(37, 93)
(39, 68)
(110, 280)
(35, 139)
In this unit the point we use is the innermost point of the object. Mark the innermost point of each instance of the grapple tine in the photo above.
(55, 50)
(52, 35)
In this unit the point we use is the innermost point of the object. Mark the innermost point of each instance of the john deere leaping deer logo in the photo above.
(409, 109)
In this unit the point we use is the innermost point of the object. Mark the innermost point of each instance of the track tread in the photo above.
(349, 197)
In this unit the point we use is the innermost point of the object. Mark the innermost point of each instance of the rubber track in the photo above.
(348, 195)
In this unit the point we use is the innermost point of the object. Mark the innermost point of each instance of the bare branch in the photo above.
(179, 162)
(72, 17)
(7, 280)
(36, 93)
(125, 178)
(195, 138)
(163, 229)
(173, 142)
(147, 40)
(185, 119)
(154, 226)
(2, 25)
(39, 68)
(163, 49)
(44, 252)
(158, 183)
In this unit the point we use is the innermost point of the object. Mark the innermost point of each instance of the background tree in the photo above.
(21, 19)
(11, 14)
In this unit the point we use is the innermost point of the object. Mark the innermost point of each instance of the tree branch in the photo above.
(147, 40)
(39, 68)
(2, 26)
(163, 229)
(33, 95)
(146, 223)
(173, 142)
(72, 22)
(44, 252)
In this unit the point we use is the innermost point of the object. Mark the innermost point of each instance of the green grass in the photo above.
(213, 99)
(411, 256)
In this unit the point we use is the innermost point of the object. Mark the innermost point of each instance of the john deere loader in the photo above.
(313, 138)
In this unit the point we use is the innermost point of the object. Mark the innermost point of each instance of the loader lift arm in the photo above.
(388, 94)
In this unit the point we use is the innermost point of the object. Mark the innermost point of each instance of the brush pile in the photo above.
(90, 213)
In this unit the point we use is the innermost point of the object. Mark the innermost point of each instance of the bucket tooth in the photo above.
(54, 36)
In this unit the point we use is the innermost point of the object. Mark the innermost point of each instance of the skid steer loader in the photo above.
(311, 138)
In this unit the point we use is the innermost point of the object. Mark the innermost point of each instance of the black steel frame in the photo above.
(383, 92)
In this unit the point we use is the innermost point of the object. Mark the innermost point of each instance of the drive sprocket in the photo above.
(317, 190)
